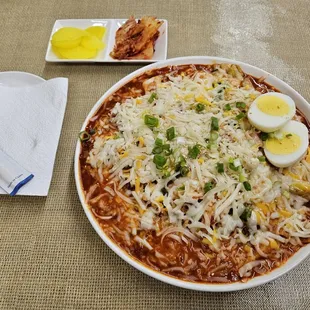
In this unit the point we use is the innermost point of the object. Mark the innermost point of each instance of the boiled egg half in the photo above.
(288, 145)
(269, 112)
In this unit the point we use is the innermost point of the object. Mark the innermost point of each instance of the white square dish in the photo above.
(111, 26)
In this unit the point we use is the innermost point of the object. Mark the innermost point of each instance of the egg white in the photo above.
(287, 160)
(270, 123)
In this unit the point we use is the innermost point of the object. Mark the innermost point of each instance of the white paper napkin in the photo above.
(30, 124)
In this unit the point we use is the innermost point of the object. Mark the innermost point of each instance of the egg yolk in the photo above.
(273, 105)
(287, 145)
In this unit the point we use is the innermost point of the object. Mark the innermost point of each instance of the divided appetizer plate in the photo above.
(111, 26)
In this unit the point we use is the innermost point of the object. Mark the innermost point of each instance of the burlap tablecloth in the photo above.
(50, 257)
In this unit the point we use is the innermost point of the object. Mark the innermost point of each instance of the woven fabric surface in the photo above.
(50, 256)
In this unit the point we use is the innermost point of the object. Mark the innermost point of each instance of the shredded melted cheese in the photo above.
(210, 213)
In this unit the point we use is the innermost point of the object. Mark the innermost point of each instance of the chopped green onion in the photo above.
(220, 167)
(170, 133)
(242, 178)
(166, 149)
(181, 188)
(159, 142)
(184, 171)
(199, 107)
(84, 136)
(194, 151)
(157, 150)
(227, 107)
(166, 174)
(264, 136)
(214, 123)
(288, 135)
(212, 146)
(151, 121)
(233, 167)
(92, 131)
(180, 164)
(208, 186)
(240, 105)
(246, 214)
(178, 167)
(214, 135)
(182, 160)
(159, 161)
(261, 158)
(240, 116)
(152, 97)
(247, 185)
(159, 147)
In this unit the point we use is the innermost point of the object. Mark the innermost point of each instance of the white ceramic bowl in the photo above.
(302, 105)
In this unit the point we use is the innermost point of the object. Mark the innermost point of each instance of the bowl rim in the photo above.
(292, 262)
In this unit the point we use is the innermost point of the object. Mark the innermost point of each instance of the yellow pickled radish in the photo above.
(78, 52)
(67, 43)
(56, 52)
(92, 43)
(68, 37)
(75, 43)
(97, 31)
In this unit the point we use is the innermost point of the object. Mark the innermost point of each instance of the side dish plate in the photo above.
(111, 26)
(302, 105)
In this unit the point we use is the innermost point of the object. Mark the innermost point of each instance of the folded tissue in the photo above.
(31, 118)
